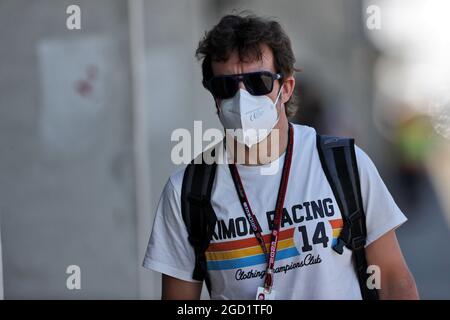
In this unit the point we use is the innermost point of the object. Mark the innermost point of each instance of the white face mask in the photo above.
(255, 116)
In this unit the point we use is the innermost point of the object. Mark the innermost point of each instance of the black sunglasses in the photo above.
(257, 83)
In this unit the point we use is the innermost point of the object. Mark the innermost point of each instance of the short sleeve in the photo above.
(169, 250)
(382, 213)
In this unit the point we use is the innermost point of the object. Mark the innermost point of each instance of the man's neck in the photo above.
(266, 151)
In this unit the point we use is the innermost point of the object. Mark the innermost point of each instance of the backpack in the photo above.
(338, 160)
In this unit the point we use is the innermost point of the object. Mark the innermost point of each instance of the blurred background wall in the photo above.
(67, 191)
(86, 118)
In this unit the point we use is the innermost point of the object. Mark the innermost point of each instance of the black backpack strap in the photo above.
(198, 214)
(338, 159)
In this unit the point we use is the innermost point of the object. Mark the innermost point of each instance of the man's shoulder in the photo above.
(303, 129)
(176, 179)
(308, 134)
(304, 136)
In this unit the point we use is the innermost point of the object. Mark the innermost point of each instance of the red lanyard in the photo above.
(254, 224)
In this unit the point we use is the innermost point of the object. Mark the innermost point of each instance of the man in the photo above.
(248, 66)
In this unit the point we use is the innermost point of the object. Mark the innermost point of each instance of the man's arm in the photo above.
(176, 289)
(396, 281)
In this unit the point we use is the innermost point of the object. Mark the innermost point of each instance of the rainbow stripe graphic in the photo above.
(336, 225)
(243, 253)
(247, 252)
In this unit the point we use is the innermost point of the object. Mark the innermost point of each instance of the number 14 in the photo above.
(319, 236)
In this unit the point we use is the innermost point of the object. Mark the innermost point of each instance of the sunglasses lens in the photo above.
(258, 84)
(223, 87)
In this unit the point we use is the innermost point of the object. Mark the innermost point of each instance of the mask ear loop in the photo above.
(275, 104)
(278, 95)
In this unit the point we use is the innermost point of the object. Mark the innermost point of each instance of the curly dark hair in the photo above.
(246, 34)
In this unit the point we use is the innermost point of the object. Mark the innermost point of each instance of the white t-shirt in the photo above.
(306, 265)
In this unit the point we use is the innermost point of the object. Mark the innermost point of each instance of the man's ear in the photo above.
(288, 89)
